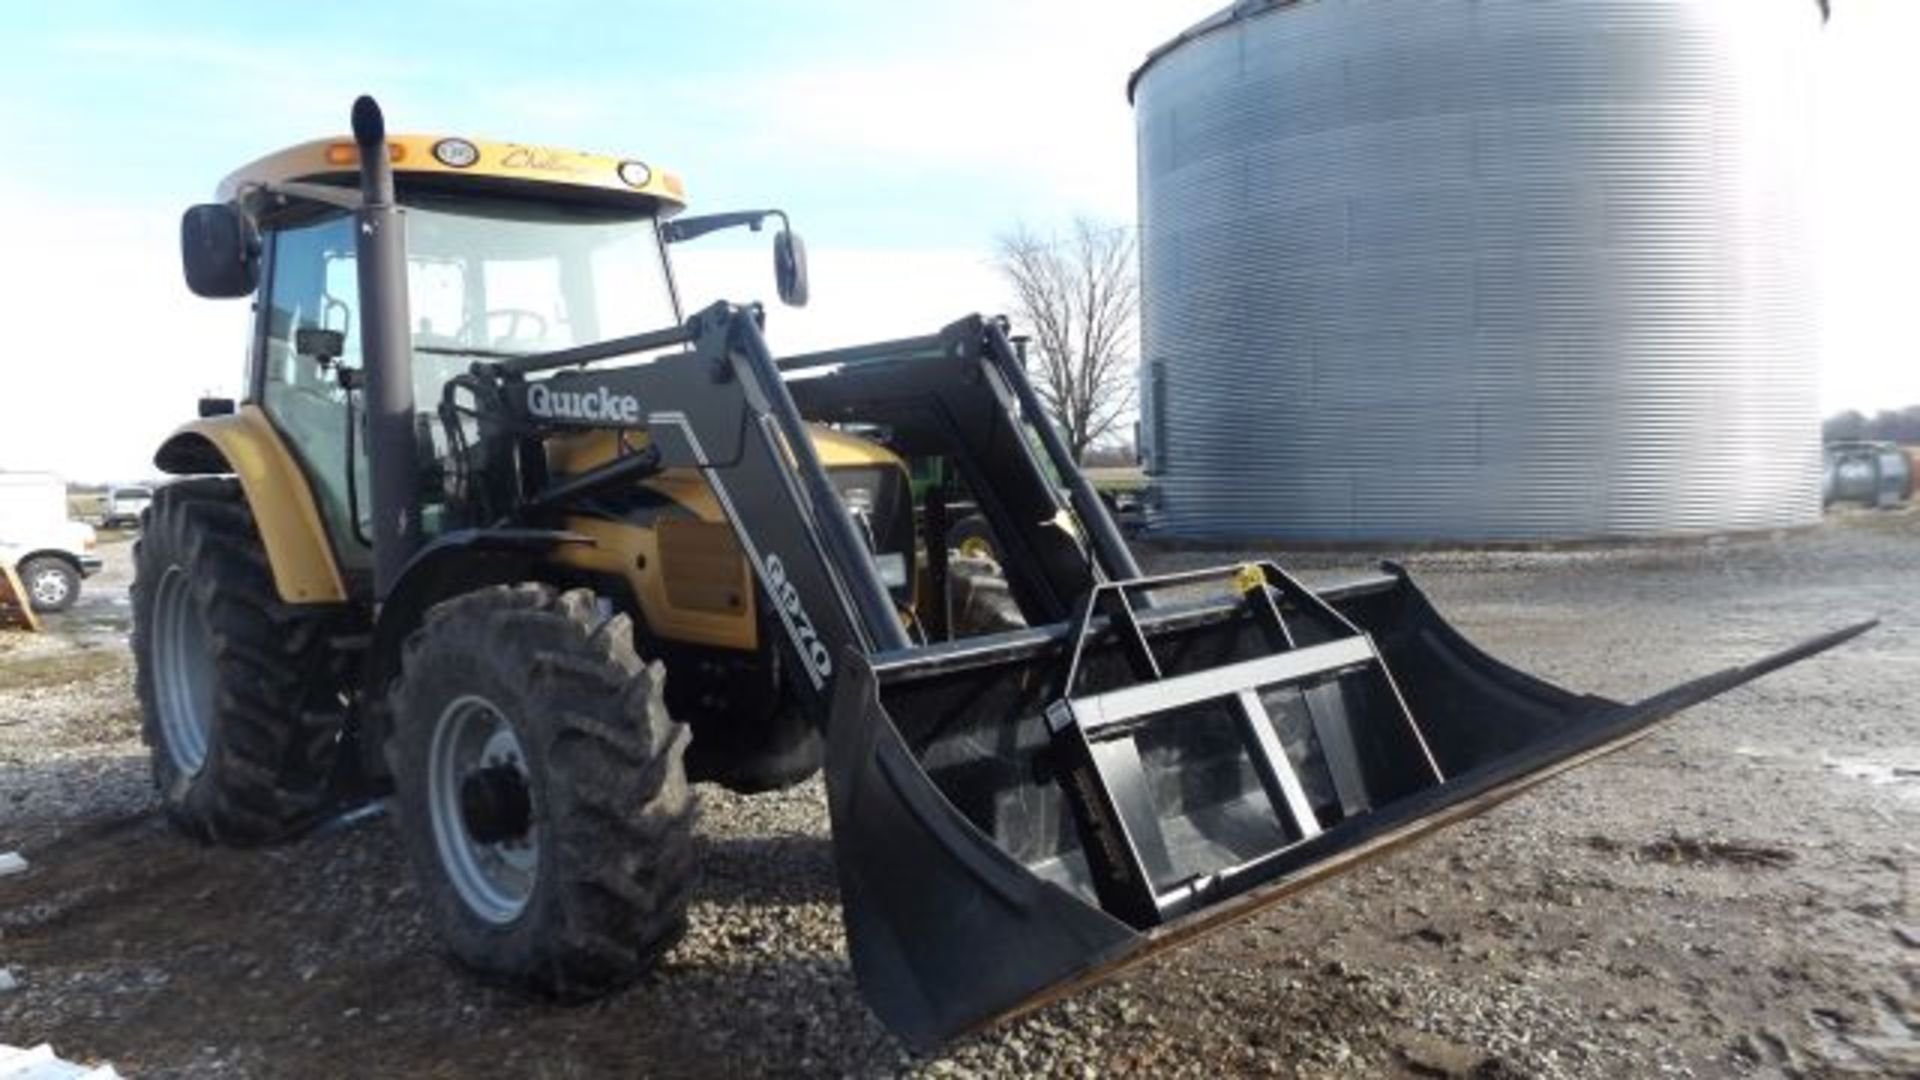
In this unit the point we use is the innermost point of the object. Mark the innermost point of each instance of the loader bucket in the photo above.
(1019, 816)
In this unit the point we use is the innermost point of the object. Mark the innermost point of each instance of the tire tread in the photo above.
(272, 740)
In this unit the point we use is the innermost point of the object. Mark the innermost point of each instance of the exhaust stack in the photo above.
(386, 351)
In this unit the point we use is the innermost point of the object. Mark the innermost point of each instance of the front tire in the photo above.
(52, 583)
(238, 696)
(541, 790)
(973, 538)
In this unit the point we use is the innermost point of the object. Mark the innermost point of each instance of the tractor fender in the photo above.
(246, 445)
(454, 563)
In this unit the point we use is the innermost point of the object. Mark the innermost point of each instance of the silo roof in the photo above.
(1247, 9)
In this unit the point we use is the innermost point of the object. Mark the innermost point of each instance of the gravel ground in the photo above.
(1736, 895)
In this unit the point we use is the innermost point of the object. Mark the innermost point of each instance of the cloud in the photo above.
(859, 295)
(107, 351)
(1022, 106)
(1869, 219)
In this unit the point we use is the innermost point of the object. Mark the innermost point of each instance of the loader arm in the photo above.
(724, 406)
(720, 406)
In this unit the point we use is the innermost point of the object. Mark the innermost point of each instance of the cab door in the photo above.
(311, 285)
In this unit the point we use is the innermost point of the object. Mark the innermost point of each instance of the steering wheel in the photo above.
(515, 317)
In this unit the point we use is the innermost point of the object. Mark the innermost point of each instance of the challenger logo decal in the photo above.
(599, 404)
(806, 639)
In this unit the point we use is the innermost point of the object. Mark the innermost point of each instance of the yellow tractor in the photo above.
(498, 530)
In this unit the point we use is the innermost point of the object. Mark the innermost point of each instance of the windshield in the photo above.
(485, 277)
(505, 277)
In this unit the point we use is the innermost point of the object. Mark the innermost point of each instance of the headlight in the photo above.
(455, 153)
(634, 174)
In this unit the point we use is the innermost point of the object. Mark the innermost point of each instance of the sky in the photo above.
(902, 137)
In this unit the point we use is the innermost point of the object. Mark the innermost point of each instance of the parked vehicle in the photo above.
(537, 593)
(50, 551)
(1875, 474)
(124, 507)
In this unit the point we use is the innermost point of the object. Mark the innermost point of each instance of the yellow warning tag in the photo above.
(1248, 578)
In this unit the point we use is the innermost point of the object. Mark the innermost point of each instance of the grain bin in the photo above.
(1480, 269)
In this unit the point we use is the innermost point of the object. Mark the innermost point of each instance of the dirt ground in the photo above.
(1735, 895)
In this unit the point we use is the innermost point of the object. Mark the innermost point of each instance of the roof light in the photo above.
(635, 174)
(348, 154)
(455, 153)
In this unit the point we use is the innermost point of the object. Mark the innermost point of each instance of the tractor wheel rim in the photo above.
(494, 879)
(183, 672)
(49, 587)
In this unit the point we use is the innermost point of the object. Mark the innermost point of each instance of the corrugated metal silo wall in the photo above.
(1482, 269)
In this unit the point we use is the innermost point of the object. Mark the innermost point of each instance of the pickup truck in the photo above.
(51, 552)
(124, 506)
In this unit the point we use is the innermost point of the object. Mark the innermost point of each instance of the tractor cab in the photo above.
(511, 250)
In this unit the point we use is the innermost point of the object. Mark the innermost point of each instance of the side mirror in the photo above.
(790, 267)
(219, 250)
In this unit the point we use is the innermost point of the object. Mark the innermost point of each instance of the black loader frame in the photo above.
(1021, 813)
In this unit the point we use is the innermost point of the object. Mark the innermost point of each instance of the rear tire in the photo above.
(238, 698)
(541, 790)
(52, 583)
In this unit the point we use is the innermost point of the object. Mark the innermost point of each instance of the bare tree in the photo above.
(1077, 296)
(1891, 425)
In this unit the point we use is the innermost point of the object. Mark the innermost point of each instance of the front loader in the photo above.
(534, 583)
